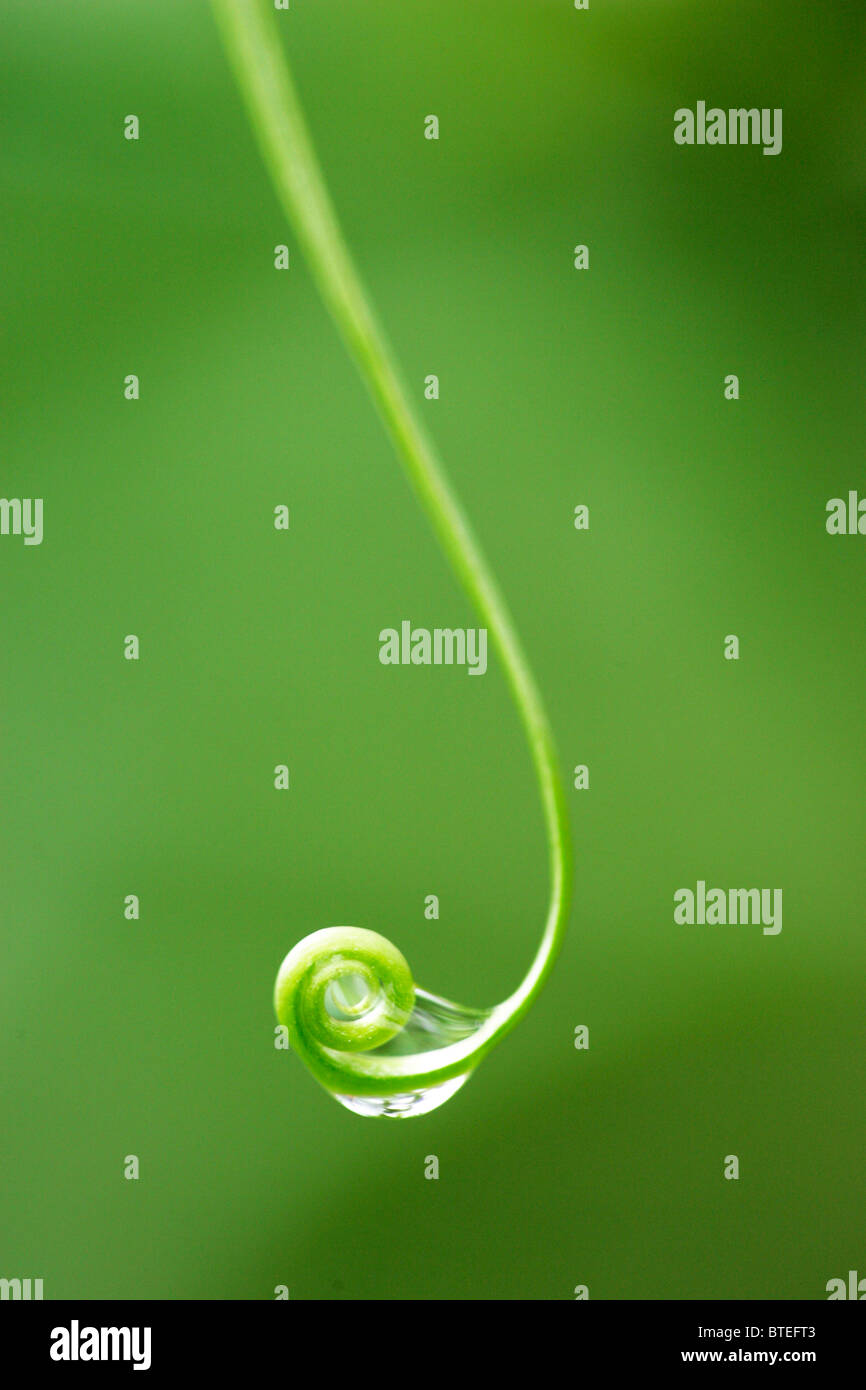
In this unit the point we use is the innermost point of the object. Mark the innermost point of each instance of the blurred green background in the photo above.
(155, 1037)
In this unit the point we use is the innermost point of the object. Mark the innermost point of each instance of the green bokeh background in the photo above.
(558, 1167)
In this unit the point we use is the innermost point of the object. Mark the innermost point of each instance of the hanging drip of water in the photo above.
(378, 1044)
(433, 1023)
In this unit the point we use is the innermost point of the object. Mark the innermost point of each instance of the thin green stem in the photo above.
(253, 44)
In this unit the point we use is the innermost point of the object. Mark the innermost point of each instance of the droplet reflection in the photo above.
(434, 1023)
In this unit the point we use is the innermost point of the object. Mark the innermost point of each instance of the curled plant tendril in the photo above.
(378, 1043)
(343, 990)
(354, 1015)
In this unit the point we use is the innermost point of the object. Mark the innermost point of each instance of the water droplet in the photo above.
(348, 997)
(433, 1023)
(410, 1103)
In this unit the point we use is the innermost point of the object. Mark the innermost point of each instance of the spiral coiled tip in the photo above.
(345, 989)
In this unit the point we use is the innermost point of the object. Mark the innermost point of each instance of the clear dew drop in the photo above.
(348, 997)
(434, 1023)
(410, 1103)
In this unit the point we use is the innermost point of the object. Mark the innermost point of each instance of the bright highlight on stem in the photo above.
(346, 995)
